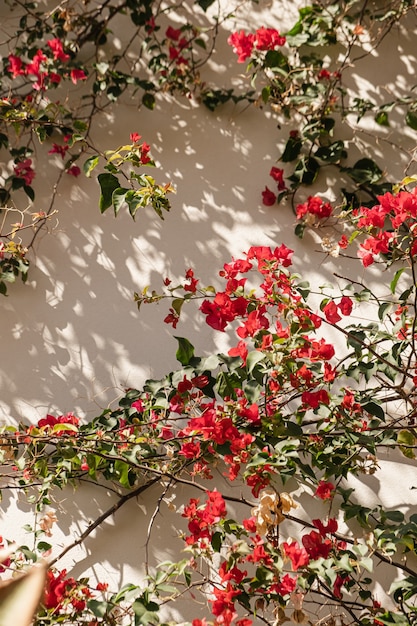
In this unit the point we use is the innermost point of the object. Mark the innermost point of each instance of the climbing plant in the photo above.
(287, 414)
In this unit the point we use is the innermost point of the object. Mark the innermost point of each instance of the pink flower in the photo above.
(268, 197)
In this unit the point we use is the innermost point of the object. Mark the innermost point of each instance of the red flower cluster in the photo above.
(314, 206)
(388, 221)
(43, 65)
(264, 39)
(50, 421)
(332, 310)
(202, 518)
(269, 197)
(23, 169)
(61, 591)
(324, 490)
(177, 45)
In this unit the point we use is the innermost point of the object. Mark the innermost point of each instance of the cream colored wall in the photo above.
(72, 338)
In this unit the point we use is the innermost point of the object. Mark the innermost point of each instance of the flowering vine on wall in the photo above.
(287, 414)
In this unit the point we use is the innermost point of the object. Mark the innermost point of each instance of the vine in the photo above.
(287, 414)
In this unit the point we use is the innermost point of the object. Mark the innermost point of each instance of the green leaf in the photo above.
(205, 4)
(253, 358)
(381, 118)
(411, 119)
(98, 607)
(90, 164)
(185, 351)
(396, 278)
(108, 184)
(292, 149)
(217, 541)
(367, 563)
(148, 100)
(118, 198)
(365, 171)
(275, 59)
(374, 409)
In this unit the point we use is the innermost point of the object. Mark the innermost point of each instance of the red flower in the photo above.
(223, 310)
(324, 490)
(192, 287)
(255, 322)
(345, 305)
(343, 242)
(15, 65)
(286, 585)
(144, 156)
(172, 318)
(76, 74)
(268, 39)
(74, 170)
(57, 49)
(278, 176)
(24, 170)
(173, 33)
(102, 586)
(313, 399)
(315, 545)
(324, 529)
(190, 450)
(297, 555)
(331, 312)
(324, 75)
(57, 589)
(57, 149)
(268, 197)
(314, 206)
(242, 45)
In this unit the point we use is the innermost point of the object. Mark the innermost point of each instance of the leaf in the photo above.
(205, 4)
(60, 427)
(292, 149)
(411, 119)
(108, 184)
(364, 171)
(253, 359)
(90, 164)
(381, 118)
(396, 278)
(118, 198)
(185, 351)
(367, 563)
(374, 409)
(148, 100)
(98, 607)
